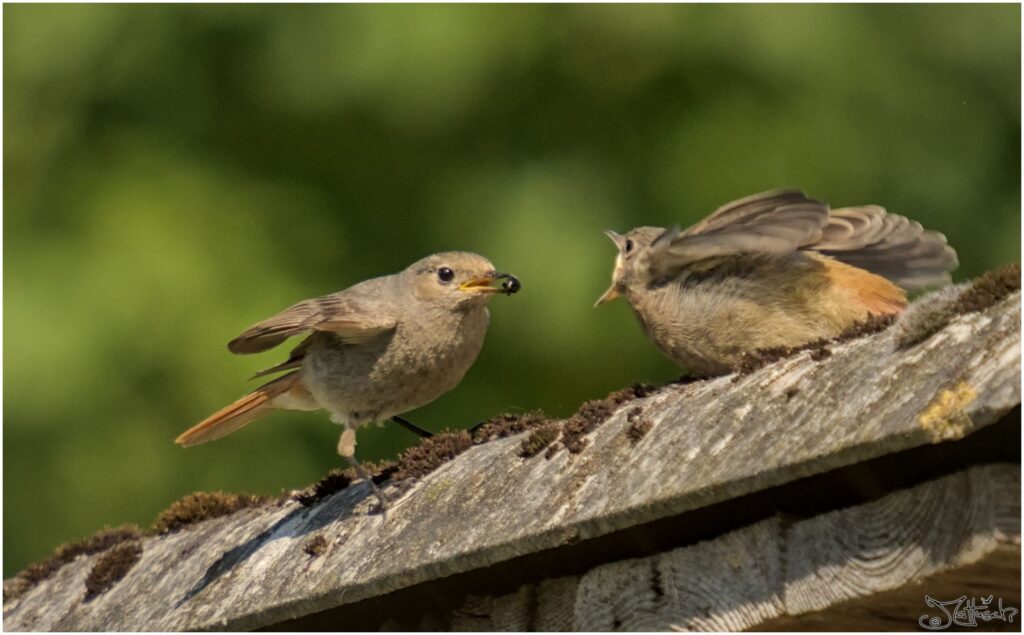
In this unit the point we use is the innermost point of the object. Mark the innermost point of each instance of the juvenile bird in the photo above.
(376, 349)
(773, 269)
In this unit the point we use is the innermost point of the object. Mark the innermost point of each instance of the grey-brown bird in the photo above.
(375, 350)
(770, 270)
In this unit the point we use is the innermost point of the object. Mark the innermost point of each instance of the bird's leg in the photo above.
(426, 434)
(411, 427)
(363, 474)
(347, 449)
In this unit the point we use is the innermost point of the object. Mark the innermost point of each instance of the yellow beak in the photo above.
(480, 285)
(616, 237)
(608, 296)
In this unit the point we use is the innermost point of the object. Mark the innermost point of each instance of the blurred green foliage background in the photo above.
(175, 173)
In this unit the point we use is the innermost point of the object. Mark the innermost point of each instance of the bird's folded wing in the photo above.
(351, 320)
(781, 221)
(295, 359)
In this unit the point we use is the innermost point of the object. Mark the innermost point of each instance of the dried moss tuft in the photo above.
(639, 425)
(334, 481)
(589, 417)
(96, 543)
(932, 313)
(200, 506)
(113, 565)
(315, 546)
(508, 424)
(593, 413)
(339, 479)
(755, 360)
(819, 354)
(432, 453)
(538, 440)
(636, 391)
(873, 324)
(989, 289)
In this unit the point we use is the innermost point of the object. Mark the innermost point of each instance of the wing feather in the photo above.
(294, 360)
(780, 221)
(339, 313)
(889, 245)
(783, 221)
(747, 209)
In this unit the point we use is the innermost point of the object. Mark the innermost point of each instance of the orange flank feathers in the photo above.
(259, 402)
(872, 292)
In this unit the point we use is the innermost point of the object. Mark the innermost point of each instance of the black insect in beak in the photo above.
(511, 284)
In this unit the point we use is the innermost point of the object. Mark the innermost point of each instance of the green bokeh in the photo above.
(174, 173)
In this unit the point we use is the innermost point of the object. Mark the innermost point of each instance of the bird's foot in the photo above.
(363, 474)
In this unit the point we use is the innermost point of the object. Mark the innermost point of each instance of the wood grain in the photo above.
(771, 573)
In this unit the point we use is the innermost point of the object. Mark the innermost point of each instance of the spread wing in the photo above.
(889, 245)
(354, 319)
(782, 221)
(747, 209)
(779, 221)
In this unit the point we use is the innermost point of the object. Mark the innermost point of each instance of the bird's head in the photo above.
(629, 245)
(459, 279)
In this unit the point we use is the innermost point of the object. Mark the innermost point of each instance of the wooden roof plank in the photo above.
(709, 441)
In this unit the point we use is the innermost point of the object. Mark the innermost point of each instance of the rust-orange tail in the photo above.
(869, 291)
(246, 410)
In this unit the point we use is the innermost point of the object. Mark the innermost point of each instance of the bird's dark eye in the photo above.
(629, 245)
(445, 274)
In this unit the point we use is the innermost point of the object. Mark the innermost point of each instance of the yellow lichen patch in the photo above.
(945, 419)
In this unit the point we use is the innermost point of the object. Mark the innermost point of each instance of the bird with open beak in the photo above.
(776, 269)
(373, 351)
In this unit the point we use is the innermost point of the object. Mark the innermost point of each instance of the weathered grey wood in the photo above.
(547, 606)
(724, 585)
(996, 575)
(769, 570)
(951, 522)
(710, 441)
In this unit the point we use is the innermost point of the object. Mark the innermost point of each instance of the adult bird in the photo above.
(375, 350)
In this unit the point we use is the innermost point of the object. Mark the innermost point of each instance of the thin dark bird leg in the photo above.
(426, 434)
(411, 427)
(363, 474)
